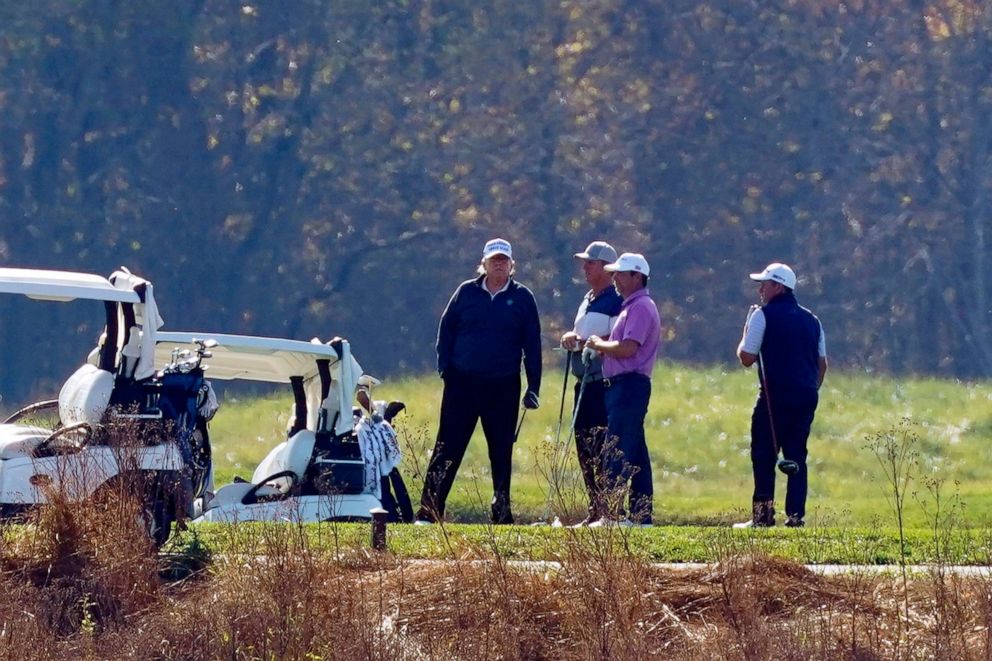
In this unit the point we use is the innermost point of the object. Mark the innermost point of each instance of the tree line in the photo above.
(333, 168)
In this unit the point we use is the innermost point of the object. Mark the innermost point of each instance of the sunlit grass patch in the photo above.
(698, 434)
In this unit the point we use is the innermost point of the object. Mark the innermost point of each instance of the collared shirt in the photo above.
(638, 321)
(596, 316)
(754, 335)
(485, 285)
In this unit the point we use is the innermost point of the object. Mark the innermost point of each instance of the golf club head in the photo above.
(392, 408)
(788, 467)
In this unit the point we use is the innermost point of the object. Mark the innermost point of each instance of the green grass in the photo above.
(698, 434)
(681, 544)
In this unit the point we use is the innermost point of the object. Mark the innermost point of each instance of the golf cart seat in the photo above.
(85, 396)
(291, 456)
(275, 476)
(83, 399)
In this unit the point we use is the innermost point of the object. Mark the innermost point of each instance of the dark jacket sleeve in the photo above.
(446, 332)
(532, 344)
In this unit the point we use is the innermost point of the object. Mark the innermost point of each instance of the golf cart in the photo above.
(115, 420)
(331, 463)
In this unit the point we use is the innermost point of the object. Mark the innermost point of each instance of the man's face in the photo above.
(626, 282)
(594, 272)
(497, 266)
(767, 290)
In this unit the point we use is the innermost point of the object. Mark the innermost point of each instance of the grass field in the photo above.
(698, 435)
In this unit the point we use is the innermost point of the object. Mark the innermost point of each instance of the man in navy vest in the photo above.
(787, 342)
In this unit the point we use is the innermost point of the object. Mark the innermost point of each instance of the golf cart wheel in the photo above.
(156, 519)
(148, 503)
(156, 513)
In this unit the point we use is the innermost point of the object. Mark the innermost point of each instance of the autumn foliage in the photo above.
(335, 168)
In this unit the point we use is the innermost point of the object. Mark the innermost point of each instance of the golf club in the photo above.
(787, 466)
(564, 389)
(520, 424)
(556, 522)
(586, 359)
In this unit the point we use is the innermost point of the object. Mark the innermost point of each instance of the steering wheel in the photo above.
(251, 497)
(67, 440)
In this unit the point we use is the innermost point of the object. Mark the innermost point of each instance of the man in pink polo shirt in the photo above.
(628, 358)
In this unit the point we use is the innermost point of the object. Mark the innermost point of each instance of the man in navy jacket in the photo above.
(490, 323)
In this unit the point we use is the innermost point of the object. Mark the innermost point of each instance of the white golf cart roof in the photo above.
(269, 359)
(277, 360)
(62, 286)
(129, 334)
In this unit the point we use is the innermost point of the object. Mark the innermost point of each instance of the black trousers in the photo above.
(466, 400)
(395, 498)
(590, 433)
(792, 416)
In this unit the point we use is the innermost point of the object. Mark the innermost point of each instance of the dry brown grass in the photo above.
(277, 597)
(83, 582)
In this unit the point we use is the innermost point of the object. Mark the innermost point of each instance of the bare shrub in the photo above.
(22, 633)
(86, 565)
(273, 594)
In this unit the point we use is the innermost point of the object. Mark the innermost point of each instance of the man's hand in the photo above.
(530, 400)
(571, 340)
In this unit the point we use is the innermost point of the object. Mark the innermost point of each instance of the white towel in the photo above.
(380, 451)
(147, 318)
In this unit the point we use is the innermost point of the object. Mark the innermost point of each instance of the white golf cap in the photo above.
(368, 381)
(599, 250)
(630, 261)
(776, 272)
(497, 247)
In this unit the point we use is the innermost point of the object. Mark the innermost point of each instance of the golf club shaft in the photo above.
(768, 401)
(564, 389)
(578, 402)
